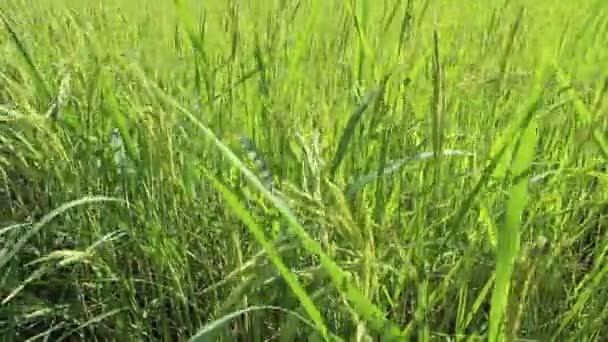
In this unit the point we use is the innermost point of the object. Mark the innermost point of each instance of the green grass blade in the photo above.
(259, 235)
(349, 131)
(7, 254)
(437, 100)
(508, 239)
(339, 277)
(39, 80)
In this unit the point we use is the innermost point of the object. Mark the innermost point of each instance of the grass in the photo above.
(309, 170)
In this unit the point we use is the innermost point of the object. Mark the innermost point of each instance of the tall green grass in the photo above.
(431, 170)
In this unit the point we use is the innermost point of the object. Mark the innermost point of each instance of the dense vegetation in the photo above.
(289, 170)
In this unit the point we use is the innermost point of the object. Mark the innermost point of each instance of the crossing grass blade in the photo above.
(584, 115)
(506, 55)
(259, 235)
(600, 140)
(7, 254)
(453, 224)
(374, 230)
(395, 166)
(340, 278)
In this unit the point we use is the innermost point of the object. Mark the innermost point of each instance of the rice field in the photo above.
(303, 170)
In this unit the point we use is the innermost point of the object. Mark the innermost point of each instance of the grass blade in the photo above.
(259, 235)
(6, 255)
(349, 131)
(40, 83)
(508, 239)
(339, 277)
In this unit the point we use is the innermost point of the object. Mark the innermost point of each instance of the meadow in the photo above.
(275, 170)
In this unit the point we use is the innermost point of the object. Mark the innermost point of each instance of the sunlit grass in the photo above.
(419, 170)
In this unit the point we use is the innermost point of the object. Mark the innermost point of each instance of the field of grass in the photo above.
(352, 170)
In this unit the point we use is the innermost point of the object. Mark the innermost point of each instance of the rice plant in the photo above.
(310, 170)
